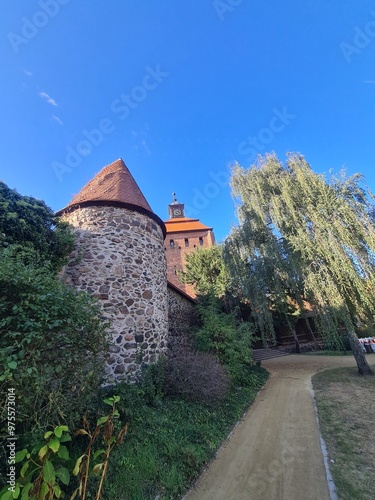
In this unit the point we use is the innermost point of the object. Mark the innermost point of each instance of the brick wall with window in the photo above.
(183, 244)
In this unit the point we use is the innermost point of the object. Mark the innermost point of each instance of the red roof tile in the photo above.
(113, 183)
(182, 224)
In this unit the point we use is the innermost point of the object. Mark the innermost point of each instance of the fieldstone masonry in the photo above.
(120, 259)
(181, 314)
(180, 310)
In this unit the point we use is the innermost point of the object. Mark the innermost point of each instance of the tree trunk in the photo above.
(298, 347)
(294, 333)
(292, 330)
(311, 333)
(304, 315)
(359, 355)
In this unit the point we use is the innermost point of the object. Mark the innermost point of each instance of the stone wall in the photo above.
(181, 316)
(120, 259)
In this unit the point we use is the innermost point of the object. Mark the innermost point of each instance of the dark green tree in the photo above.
(30, 227)
(302, 236)
(206, 271)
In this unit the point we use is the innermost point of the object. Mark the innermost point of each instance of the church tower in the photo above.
(120, 259)
(184, 235)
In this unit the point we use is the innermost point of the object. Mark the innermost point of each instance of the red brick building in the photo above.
(184, 235)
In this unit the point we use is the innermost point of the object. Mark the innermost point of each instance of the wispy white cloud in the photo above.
(28, 73)
(145, 147)
(368, 81)
(49, 99)
(57, 119)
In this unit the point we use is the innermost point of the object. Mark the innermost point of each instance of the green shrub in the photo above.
(47, 470)
(222, 335)
(196, 376)
(152, 381)
(52, 346)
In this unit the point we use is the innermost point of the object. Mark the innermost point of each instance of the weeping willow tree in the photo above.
(305, 239)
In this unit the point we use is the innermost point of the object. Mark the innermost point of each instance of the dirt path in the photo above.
(274, 453)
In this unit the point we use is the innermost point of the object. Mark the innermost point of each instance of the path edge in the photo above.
(226, 440)
(331, 485)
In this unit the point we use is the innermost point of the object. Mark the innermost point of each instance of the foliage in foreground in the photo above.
(45, 473)
(51, 346)
(346, 408)
(303, 239)
(171, 439)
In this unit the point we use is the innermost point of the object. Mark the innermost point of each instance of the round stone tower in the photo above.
(120, 259)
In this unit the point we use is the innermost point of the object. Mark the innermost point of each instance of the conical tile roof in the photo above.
(113, 183)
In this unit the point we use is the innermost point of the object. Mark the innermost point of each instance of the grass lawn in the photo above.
(346, 408)
(327, 352)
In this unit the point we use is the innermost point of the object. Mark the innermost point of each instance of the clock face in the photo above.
(177, 211)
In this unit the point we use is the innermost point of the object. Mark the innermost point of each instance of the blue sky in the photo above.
(180, 91)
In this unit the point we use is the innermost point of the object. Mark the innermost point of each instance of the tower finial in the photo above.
(174, 199)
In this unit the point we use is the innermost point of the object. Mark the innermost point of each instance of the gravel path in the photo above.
(274, 452)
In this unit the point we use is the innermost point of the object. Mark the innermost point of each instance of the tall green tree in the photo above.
(206, 271)
(303, 237)
(31, 228)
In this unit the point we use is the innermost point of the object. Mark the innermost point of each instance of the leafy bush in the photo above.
(46, 471)
(222, 335)
(152, 381)
(196, 376)
(52, 346)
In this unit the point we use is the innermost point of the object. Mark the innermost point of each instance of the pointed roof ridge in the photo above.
(113, 183)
